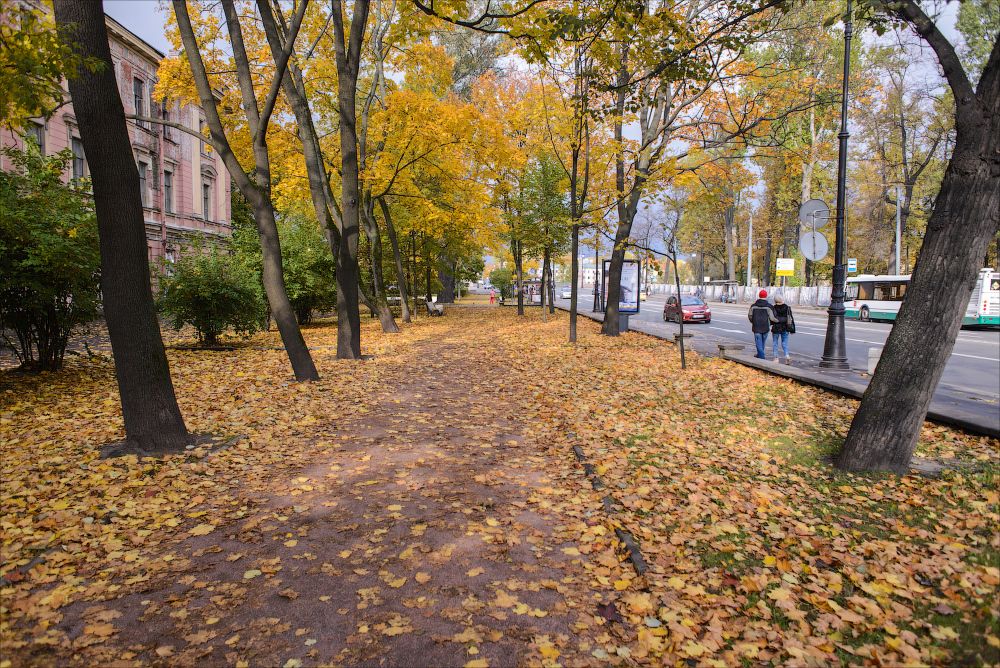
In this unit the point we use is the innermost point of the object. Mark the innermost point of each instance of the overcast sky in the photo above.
(143, 17)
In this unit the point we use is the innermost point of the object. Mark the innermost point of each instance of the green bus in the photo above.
(871, 297)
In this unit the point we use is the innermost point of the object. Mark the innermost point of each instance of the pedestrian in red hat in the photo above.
(761, 315)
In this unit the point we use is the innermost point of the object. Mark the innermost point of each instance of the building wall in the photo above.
(170, 226)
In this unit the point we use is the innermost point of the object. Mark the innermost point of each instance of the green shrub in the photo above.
(212, 293)
(49, 258)
(309, 266)
(306, 260)
(502, 280)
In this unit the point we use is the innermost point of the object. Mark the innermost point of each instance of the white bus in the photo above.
(984, 307)
(871, 297)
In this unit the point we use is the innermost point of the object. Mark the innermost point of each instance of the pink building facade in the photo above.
(184, 185)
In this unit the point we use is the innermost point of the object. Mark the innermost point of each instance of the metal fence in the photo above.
(801, 296)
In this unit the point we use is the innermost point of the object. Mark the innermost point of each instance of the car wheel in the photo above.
(708, 321)
(864, 315)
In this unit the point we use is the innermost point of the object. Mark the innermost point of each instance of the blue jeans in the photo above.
(783, 338)
(761, 341)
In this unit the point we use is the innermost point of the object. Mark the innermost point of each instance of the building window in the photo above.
(167, 130)
(37, 132)
(79, 161)
(206, 199)
(139, 98)
(143, 171)
(168, 191)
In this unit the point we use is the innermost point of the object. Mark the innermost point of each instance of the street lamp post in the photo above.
(835, 344)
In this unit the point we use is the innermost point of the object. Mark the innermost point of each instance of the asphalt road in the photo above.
(973, 372)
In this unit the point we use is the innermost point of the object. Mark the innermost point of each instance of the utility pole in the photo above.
(835, 344)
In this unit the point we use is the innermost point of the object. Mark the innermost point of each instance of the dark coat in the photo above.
(783, 312)
(761, 315)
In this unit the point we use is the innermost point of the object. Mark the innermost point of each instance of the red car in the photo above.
(694, 309)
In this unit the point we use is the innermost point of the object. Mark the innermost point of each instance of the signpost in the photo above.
(852, 264)
(813, 245)
(785, 266)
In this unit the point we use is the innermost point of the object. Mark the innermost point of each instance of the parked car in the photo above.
(566, 293)
(694, 309)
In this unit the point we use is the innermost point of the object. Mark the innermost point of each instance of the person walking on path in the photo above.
(761, 316)
(781, 329)
(493, 296)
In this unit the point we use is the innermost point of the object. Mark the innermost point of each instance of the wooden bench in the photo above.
(434, 309)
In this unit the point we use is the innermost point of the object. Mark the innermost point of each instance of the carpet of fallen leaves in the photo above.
(424, 507)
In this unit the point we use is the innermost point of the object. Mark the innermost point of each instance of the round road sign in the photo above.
(814, 246)
(814, 213)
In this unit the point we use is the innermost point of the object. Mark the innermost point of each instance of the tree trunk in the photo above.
(610, 325)
(257, 194)
(388, 323)
(574, 280)
(272, 275)
(519, 267)
(366, 297)
(545, 279)
(153, 421)
(447, 278)
(413, 270)
(397, 259)
(348, 318)
(347, 45)
(427, 268)
(324, 204)
(552, 286)
(768, 247)
(729, 217)
(965, 218)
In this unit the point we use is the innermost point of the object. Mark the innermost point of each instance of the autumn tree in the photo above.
(318, 166)
(909, 128)
(153, 422)
(255, 187)
(35, 57)
(965, 218)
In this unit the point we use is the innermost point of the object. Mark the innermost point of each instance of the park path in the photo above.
(436, 535)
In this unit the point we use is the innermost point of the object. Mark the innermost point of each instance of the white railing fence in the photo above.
(800, 296)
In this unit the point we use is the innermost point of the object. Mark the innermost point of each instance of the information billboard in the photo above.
(628, 300)
(785, 266)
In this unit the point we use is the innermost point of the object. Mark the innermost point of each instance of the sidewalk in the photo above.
(966, 414)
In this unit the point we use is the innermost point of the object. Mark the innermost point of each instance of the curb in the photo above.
(610, 507)
(856, 390)
(842, 387)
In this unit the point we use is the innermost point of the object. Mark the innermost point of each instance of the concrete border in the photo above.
(833, 381)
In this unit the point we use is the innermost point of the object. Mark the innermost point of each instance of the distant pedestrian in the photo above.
(781, 329)
(761, 316)
(493, 296)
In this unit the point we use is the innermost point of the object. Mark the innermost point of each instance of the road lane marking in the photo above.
(977, 357)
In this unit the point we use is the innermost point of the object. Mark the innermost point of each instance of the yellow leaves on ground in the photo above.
(759, 552)
(202, 530)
